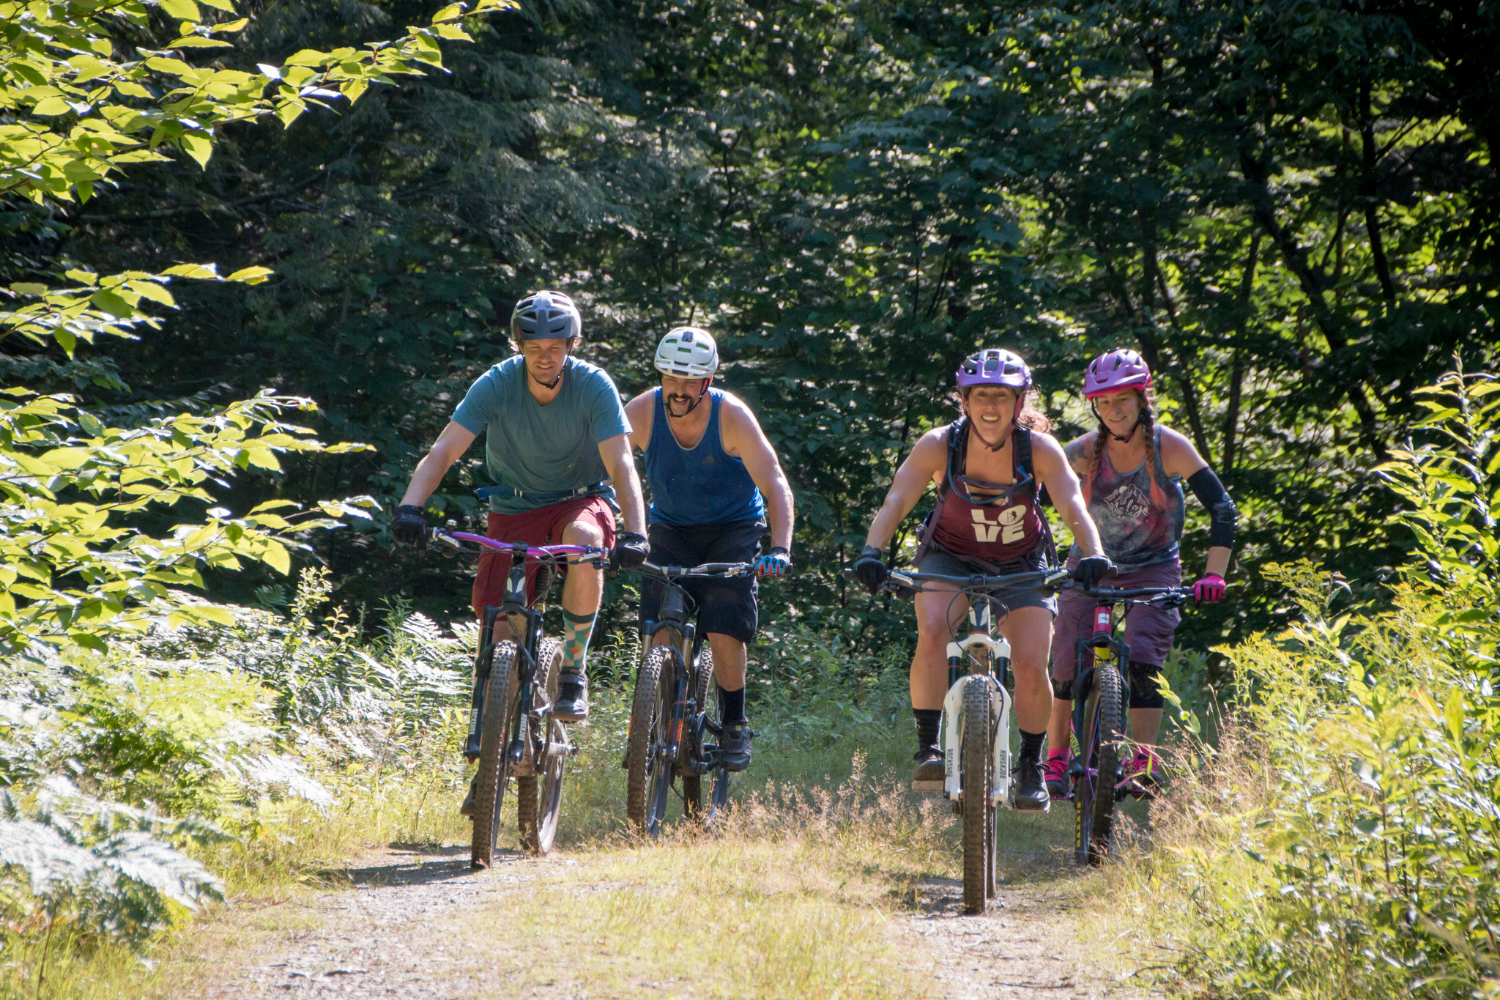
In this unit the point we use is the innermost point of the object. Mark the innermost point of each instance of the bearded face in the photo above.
(680, 395)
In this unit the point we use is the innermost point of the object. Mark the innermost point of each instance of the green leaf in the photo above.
(276, 557)
(51, 106)
(29, 288)
(199, 42)
(113, 304)
(183, 10)
(199, 148)
(307, 57)
(205, 271)
(251, 275)
(1453, 713)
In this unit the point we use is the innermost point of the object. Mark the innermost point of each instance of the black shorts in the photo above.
(725, 606)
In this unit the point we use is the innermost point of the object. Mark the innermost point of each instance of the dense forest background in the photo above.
(1291, 208)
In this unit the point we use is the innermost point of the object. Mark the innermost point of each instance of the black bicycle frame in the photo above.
(514, 606)
(677, 609)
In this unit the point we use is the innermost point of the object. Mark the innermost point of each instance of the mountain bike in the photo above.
(512, 732)
(670, 718)
(1099, 714)
(975, 732)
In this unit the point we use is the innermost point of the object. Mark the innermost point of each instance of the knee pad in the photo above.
(1143, 690)
(1062, 689)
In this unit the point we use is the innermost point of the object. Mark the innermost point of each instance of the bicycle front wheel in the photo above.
(1099, 744)
(648, 774)
(502, 697)
(978, 777)
(539, 796)
(692, 784)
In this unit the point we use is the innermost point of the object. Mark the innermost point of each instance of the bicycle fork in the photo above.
(1107, 654)
(953, 713)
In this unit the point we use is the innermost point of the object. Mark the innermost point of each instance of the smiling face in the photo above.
(992, 408)
(1120, 411)
(679, 395)
(545, 357)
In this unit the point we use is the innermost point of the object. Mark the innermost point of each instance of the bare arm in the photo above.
(1180, 460)
(743, 438)
(640, 411)
(921, 467)
(621, 465)
(451, 444)
(1057, 475)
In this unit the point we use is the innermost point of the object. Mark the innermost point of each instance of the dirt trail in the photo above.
(404, 928)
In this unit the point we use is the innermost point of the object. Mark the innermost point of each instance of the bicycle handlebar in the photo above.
(898, 581)
(556, 553)
(703, 569)
(1107, 595)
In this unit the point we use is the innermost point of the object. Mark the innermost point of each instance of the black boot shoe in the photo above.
(572, 703)
(1031, 791)
(470, 800)
(929, 767)
(734, 746)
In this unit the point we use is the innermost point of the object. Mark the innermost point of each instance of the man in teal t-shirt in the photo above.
(554, 432)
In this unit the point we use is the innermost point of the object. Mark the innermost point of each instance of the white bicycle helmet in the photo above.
(545, 315)
(687, 352)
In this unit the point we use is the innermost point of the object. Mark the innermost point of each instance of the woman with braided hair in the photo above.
(1130, 470)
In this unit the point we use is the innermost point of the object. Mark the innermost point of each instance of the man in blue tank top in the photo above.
(714, 481)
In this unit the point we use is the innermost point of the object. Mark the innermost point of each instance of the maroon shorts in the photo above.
(543, 526)
(1148, 629)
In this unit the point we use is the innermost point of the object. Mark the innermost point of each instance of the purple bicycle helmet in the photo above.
(1114, 371)
(994, 366)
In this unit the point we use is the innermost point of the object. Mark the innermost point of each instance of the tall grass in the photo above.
(1342, 840)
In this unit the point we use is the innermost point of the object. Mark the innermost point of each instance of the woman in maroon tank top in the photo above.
(988, 520)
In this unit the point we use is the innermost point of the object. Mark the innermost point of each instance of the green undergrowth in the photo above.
(1341, 841)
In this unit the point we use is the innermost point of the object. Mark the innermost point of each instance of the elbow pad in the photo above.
(1212, 495)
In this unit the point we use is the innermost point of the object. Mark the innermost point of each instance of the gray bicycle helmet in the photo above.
(545, 315)
(687, 352)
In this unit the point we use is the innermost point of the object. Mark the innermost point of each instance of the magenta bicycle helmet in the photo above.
(1114, 371)
(994, 366)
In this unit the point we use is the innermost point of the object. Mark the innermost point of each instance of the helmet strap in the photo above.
(1094, 405)
(549, 386)
(694, 404)
(1004, 438)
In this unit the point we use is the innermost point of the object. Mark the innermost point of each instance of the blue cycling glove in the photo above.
(774, 563)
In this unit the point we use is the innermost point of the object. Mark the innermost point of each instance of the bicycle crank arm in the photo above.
(538, 712)
(560, 750)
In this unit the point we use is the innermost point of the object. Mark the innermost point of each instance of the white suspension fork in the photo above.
(953, 714)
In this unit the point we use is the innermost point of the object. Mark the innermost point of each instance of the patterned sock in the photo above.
(576, 632)
(733, 703)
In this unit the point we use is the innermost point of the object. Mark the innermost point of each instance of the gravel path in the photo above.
(399, 931)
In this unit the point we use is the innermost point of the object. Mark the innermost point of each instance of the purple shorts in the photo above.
(1148, 630)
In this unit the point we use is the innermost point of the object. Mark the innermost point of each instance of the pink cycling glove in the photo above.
(1210, 588)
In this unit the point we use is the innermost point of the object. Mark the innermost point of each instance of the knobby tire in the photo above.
(539, 796)
(692, 784)
(1095, 800)
(978, 772)
(643, 772)
(501, 697)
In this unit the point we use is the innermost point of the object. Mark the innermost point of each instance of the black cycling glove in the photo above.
(870, 570)
(1091, 571)
(631, 549)
(409, 527)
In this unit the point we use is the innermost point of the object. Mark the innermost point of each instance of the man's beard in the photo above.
(686, 402)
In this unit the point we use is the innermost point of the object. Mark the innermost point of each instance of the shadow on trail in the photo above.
(415, 864)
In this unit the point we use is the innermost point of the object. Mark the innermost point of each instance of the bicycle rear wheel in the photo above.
(648, 776)
(1094, 796)
(692, 784)
(539, 796)
(979, 815)
(501, 699)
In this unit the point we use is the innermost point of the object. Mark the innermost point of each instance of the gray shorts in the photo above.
(1148, 629)
(1010, 597)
